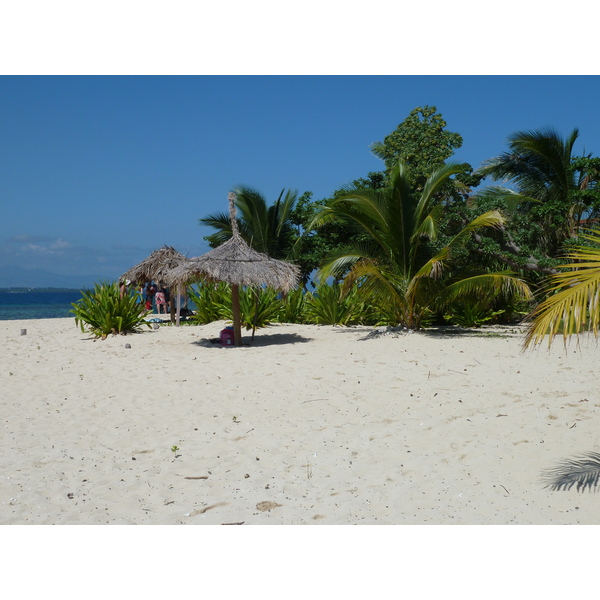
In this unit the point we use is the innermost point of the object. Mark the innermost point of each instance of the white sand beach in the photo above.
(308, 425)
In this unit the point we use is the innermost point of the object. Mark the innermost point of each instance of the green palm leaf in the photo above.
(484, 286)
(511, 199)
(574, 304)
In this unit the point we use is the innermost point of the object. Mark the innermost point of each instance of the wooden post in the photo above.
(237, 321)
(178, 304)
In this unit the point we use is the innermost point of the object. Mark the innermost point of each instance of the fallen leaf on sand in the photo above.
(266, 505)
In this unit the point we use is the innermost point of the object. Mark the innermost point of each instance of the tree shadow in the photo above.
(274, 339)
(582, 472)
(485, 331)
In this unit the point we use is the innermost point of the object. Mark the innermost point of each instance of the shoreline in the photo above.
(308, 425)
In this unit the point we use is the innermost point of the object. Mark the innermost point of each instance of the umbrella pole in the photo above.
(237, 321)
(178, 303)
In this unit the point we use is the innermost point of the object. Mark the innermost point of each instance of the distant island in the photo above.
(45, 290)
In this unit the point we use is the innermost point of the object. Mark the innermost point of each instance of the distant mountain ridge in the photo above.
(17, 277)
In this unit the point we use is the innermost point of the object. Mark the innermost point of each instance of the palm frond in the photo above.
(378, 150)
(364, 209)
(254, 214)
(574, 303)
(433, 184)
(428, 227)
(538, 162)
(582, 472)
(362, 205)
(434, 267)
(377, 285)
(217, 220)
(492, 218)
(339, 262)
(484, 286)
(511, 199)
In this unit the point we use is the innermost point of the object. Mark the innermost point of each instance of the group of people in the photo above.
(157, 298)
(161, 297)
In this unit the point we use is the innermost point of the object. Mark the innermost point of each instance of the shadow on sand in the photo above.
(445, 332)
(582, 472)
(273, 339)
(493, 331)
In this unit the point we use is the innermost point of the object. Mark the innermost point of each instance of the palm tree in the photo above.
(392, 266)
(266, 229)
(573, 305)
(539, 165)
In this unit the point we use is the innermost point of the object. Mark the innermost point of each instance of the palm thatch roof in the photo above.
(156, 267)
(234, 262)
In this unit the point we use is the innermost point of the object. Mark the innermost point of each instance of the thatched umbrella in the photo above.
(156, 268)
(234, 262)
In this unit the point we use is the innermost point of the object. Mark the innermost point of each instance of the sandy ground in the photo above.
(308, 425)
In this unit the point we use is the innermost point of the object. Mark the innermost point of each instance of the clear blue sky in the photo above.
(96, 172)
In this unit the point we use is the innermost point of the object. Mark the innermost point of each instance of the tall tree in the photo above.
(267, 229)
(392, 266)
(421, 142)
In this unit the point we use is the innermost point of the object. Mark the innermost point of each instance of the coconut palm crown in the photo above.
(266, 229)
(539, 166)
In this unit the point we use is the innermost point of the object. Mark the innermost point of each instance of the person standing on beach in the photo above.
(150, 291)
(124, 288)
(167, 293)
(161, 300)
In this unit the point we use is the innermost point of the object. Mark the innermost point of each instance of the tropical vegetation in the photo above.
(395, 267)
(422, 241)
(103, 311)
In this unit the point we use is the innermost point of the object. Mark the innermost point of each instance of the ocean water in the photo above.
(37, 304)
(40, 305)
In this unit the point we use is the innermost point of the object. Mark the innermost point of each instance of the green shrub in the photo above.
(259, 307)
(212, 302)
(471, 313)
(327, 306)
(102, 311)
(293, 307)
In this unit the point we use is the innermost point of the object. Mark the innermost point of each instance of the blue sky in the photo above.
(98, 171)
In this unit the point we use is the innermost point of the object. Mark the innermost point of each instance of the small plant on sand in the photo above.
(211, 301)
(174, 450)
(471, 313)
(259, 307)
(293, 307)
(103, 311)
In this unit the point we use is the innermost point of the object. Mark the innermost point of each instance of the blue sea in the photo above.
(37, 304)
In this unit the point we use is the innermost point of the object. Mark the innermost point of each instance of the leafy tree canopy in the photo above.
(421, 142)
